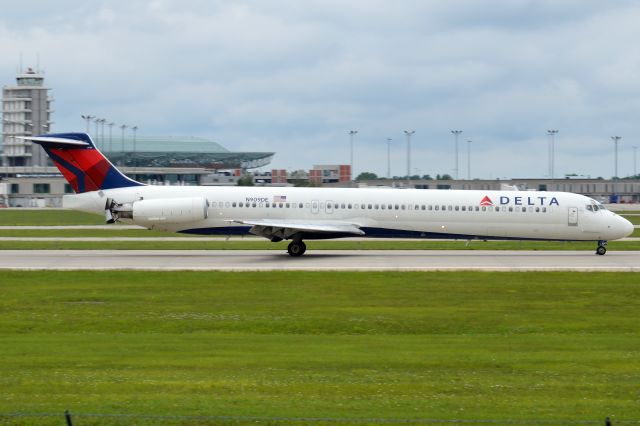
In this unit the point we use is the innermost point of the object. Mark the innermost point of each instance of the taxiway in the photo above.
(321, 260)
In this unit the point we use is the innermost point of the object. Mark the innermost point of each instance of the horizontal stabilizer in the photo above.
(54, 142)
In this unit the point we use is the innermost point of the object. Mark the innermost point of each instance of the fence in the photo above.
(80, 419)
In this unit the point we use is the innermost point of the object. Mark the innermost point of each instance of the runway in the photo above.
(320, 260)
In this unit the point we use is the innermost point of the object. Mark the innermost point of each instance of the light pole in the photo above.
(552, 135)
(88, 119)
(124, 126)
(468, 160)
(635, 170)
(388, 158)
(110, 136)
(96, 134)
(615, 139)
(135, 154)
(352, 133)
(102, 122)
(408, 133)
(456, 133)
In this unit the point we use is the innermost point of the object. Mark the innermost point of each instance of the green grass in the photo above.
(347, 345)
(47, 217)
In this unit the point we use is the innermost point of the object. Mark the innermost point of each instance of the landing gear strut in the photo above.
(602, 249)
(296, 248)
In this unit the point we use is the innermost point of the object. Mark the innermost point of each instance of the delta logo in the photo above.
(522, 201)
(486, 201)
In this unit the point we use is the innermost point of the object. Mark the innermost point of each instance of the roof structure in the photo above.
(149, 151)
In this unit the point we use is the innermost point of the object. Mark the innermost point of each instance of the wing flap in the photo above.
(285, 229)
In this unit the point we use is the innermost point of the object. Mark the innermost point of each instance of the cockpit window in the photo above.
(588, 206)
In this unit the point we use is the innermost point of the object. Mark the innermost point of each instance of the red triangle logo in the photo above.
(486, 201)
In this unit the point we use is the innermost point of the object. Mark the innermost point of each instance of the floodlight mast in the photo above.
(352, 133)
(552, 134)
(456, 133)
(615, 139)
(388, 158)
(409, 133)
(88, 119)
(468, 160)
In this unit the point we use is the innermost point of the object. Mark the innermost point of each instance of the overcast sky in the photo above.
(294, 77)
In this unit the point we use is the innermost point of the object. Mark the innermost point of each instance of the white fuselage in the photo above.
(378, 211)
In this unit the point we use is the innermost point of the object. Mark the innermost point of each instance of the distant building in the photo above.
(26, 110)
(330, 174)
(155, 159)
(279, 176)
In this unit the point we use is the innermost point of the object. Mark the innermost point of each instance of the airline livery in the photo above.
(298, 214)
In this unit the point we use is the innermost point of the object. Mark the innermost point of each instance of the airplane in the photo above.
(299, 214)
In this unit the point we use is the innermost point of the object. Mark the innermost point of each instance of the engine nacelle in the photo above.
(169, 210)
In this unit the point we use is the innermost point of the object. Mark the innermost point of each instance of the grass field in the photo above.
(47, 217)
(549, 346)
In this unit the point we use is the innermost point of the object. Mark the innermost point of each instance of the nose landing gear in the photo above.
(602, 249)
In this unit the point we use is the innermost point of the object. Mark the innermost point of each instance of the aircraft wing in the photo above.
(283, 229)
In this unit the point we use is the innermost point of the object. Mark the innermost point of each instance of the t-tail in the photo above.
(81, 163)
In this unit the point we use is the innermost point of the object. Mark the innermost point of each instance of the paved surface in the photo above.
(370, 260)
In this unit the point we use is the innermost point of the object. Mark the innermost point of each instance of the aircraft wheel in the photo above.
(296, 248)
(601, 250)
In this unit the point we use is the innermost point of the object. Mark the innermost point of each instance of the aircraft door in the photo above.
(314, 207)
(573, 216)
(329, 207)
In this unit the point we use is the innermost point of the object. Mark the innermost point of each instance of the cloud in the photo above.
(294, 77)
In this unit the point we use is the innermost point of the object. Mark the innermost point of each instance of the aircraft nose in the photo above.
(627, 227)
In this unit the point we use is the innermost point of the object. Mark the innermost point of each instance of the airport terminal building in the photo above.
(151, 160)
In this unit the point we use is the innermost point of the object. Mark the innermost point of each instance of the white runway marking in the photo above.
(321, 260)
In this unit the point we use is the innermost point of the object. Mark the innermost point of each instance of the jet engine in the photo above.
(158, 211)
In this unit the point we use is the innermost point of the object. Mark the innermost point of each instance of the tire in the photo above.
(296, 249)
(601, 250)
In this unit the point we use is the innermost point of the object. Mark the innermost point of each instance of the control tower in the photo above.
(26, 110)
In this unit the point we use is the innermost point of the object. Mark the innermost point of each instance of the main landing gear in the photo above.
(602, 249)
(296, 248)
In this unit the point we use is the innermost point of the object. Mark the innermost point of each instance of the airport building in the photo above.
(26, 110)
